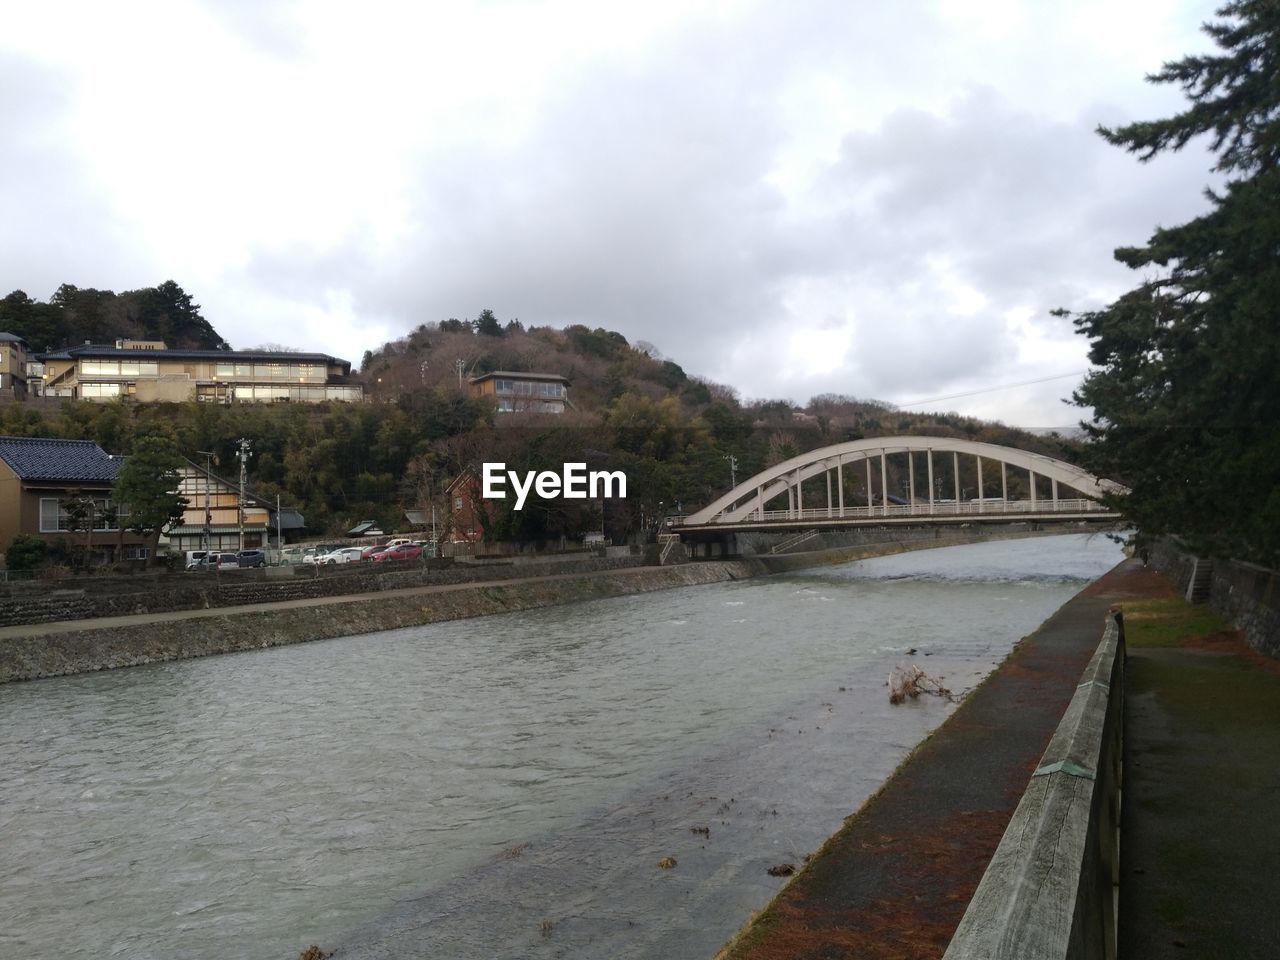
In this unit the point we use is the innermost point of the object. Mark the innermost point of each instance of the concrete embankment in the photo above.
(895, 881)
(33, 651)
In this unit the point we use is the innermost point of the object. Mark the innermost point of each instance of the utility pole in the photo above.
(733, 469)
(207, 539)
(243, 455)
(279, 541)
(461, 365)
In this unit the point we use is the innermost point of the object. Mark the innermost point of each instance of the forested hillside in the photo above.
(634, 411)
(74, 315)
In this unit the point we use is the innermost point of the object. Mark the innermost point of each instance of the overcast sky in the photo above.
(878, 199)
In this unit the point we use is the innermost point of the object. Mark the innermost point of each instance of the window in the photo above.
(133, 551)
(99, 390)
(119, 368)
(54, 517)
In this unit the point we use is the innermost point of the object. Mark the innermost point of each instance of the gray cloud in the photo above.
(741, 181)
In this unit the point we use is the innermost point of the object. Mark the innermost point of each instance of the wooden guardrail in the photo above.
(1050, 889)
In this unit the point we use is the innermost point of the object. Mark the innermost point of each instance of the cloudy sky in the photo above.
(878, 199)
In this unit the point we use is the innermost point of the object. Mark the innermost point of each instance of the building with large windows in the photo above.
(523, 392)
(147, 371)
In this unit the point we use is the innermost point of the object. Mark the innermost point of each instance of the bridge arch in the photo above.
(748, 501)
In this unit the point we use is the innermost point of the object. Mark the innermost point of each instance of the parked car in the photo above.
(368, 553)
(193, 558)
(343, 555)
(213, 560)
(251, 558)
(403, 551)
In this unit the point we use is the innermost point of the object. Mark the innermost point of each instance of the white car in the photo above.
(342, 555)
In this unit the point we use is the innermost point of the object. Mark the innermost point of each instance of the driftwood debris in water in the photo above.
(911, 681)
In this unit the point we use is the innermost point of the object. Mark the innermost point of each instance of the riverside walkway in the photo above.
(895, 881)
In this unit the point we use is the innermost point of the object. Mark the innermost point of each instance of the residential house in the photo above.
(147, 371)
(60, 490)
(462, 525)
(211, 519)
(523, 392)
(14, 357)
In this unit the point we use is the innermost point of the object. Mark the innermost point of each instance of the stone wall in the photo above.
(1177, 566)
(47, 601)
(204, 632)
(1247, 595)
(1250, 597)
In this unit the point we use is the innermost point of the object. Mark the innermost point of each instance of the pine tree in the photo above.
(147, 487)
(1187, 398)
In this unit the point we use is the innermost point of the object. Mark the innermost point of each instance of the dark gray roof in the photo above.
(75, 461)
(12, 338)
(107, 351)
(289, 520)
(515, 375)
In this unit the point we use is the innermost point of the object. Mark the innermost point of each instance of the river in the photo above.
(498, 787)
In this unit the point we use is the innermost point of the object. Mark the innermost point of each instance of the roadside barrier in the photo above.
(1050, 889)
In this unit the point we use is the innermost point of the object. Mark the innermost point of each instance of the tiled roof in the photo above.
(37, 458)
(107, 351)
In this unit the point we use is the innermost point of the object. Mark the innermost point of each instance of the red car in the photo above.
(405, 551)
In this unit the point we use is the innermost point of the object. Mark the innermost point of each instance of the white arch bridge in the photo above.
(940, 480)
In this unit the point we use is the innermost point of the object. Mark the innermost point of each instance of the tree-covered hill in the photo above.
(74, 315)
(672, 434)
(601, 364)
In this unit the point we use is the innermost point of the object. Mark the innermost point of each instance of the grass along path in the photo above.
(1200, 838)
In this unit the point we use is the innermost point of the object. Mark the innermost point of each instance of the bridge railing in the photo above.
(986, 508)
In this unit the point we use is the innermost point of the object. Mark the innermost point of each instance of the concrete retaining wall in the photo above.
(49, 601)
(1247, 595)
(1049, 891)
(200, 633)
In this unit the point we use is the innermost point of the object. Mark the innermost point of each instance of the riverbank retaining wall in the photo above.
(1246, 594)
(140, 638)
(85, 598)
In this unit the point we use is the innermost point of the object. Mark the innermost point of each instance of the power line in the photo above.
(1003, 386)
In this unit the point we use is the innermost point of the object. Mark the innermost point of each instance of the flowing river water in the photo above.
(498, 787)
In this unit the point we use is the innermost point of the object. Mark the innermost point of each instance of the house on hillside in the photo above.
(211, 518)
(147, 371)
(14, 357)
(60, 490)
(523, 392)
(466, 506)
